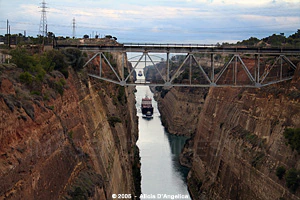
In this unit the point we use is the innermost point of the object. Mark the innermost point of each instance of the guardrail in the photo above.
(168, 45)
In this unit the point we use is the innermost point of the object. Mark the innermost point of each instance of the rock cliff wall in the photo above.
(78, 144)
(239, 142)
(180, 107)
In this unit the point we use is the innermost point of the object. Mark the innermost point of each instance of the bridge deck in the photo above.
(182, 48)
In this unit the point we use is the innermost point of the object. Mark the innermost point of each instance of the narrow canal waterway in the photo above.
(159, 151)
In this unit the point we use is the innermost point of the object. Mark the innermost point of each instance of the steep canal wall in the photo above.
(73, 139)
(180, 108)
(241, 148)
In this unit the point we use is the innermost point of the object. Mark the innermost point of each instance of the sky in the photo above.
(156, 21)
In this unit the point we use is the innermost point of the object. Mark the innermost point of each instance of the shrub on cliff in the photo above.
(292, 178)
(280, 171)
(293, 138)
(59, 86)
(21, 58)
(113, 120)
(26, 78)
(122, 96)
(55, 60)
(75, 58)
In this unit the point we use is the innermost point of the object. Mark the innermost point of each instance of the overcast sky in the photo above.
(160, 21)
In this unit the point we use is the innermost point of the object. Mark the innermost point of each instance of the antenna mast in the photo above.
(43, 22)
(74, 27)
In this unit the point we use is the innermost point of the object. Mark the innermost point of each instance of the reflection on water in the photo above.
(176, 145)
(159, 151)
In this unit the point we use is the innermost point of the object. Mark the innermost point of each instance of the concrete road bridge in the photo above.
(192, 65)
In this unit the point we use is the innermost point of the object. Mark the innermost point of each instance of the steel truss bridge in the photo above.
(198, 65)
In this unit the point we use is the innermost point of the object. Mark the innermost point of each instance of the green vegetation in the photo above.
(38, 64)
(240, 95)
(71, 134)
(280, 171)
(39, 68)
(249, 137)
(221, 124)
(276, 41)
(21, 58)
(56, 61)
(292, 178)
(26, 78)
(50, 107)
(59, 86)
(35, 93)
(294, 94)
(162, 90)
(121, 95)
(113, 120)
(83, 185)
(250, 42)
(258, 159)
(75, 58)
(293, 138)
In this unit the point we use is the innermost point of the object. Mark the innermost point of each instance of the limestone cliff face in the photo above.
(180, 107)
(79, 144)
(239, 143)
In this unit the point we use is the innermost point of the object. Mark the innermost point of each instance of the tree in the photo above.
(21, 58)
(86, 36)
(50, 34)
(55, 59)
(75, 58)
(26, 78)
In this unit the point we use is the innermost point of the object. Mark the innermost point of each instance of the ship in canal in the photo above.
(147, 108)
(140, 73)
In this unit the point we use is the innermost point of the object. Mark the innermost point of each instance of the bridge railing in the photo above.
(168, 45)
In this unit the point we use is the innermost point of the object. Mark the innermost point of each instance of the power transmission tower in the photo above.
(74, 27)
(43, 22)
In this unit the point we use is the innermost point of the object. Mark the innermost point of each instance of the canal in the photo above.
(161, 172)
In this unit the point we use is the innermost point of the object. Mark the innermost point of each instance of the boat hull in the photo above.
(147, 111)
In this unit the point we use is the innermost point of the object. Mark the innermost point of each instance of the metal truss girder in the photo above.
(155, 67)
(93, 57)
(107, 61)
(289, 61)
(202, 70)
(111, 67)
(268, 70)
(106, 79)
(246, 69)
(178, 70)
(224, 68)
(278, 81)
(235, 75)
(212, 78)
(123, 83)
(136, 64)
